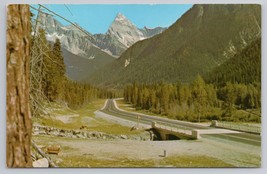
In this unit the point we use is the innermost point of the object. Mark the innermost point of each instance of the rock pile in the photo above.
(44, 130)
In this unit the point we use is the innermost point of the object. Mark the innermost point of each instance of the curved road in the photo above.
(247, 138)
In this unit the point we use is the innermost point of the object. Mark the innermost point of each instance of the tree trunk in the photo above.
(18, 121)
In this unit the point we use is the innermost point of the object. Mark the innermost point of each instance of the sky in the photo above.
(96, 18)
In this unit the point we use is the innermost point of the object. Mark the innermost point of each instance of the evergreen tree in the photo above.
(57, 71)
(230, 97)
(199, 95)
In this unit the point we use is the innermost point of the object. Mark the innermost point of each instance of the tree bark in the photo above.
(18, 121)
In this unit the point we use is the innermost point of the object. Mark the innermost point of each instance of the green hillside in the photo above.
(202, 39)
(244, 67)
(79, 67)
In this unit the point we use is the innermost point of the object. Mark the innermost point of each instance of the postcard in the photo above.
(133, 86)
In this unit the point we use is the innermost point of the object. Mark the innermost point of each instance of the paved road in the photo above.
(145, 119)
(247, 138)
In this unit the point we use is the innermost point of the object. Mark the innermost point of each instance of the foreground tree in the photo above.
(18, 119)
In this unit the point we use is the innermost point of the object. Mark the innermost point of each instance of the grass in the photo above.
(129, 107)
(82, 117)
(111, 128)
(174, 161)
(194, 161)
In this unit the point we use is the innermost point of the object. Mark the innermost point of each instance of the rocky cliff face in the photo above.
(71, 38)
(121, 34)
(125, 31)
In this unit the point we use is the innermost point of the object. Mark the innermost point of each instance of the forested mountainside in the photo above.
(205, 37)
(244, 67)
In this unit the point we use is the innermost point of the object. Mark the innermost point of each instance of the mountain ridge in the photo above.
(81, 47)
(202, 39)
(113, 42)
(122, 34)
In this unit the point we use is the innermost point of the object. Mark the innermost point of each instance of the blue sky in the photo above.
(96, 18)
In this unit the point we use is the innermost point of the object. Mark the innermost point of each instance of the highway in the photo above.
(246, 138)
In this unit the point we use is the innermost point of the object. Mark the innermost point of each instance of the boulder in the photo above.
(41, 132)
(75, 132)
(54, 133)
(80, 136)
(88, 135)
(61, 134)
(145, 136)
(84, 134)
(43, 162)
(124, 137)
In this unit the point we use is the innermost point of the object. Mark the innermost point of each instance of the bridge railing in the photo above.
(180, 129)
(247, 127)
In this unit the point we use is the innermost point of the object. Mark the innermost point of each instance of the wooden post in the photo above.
(138, 120)
(165, 153)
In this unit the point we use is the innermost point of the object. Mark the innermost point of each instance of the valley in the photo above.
(185, 95)
(79, 45)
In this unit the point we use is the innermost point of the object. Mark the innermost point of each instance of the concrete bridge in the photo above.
(162, 132)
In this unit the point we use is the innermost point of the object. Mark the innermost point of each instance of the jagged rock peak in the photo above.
(120, 17)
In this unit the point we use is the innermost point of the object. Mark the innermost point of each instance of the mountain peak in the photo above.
(120, 17)
(123, 30)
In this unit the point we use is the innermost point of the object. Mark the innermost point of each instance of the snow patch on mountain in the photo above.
(54, 36)
(127, 62)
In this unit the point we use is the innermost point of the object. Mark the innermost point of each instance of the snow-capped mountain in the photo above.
(81, 56)
(72, 39)
(121, 34)
(125, 31)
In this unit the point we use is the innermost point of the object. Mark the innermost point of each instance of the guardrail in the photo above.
(246, 127)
